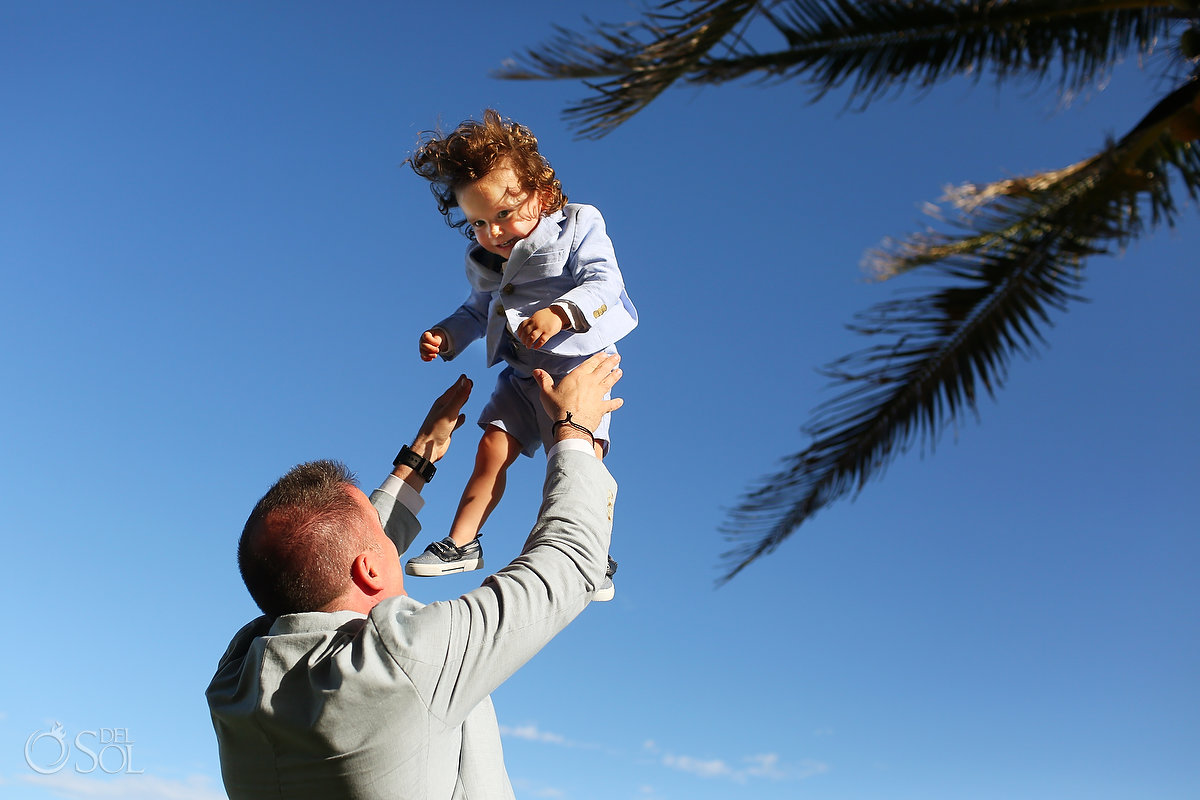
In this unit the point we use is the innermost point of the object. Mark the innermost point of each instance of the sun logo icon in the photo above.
(59, 736)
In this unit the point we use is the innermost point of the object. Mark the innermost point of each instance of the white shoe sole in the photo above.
(443, 568)
(605, 593)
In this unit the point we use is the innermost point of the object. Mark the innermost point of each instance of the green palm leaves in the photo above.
(1014, 250)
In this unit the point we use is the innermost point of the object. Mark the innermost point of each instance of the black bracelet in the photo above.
(573, 424)
(419, 464)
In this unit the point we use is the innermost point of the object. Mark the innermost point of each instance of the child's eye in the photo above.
(503, 214)
(477, 223)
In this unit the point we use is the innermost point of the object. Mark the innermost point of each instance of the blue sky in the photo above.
(214, 265)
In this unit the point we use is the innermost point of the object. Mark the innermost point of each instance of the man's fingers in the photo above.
(603, 362)
(433, 437)
(463, 386)
(456, 396)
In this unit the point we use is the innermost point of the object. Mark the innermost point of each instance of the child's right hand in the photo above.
(431, 345)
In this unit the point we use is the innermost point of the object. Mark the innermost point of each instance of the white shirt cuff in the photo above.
(570, 444)
(406, 495)
(579, 323)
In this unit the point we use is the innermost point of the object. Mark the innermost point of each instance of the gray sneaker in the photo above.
(445, 557)
(606, 591)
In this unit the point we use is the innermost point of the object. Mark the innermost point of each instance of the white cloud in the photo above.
(810, 767)
(764, 765)
(759, 766)
(528, 789)
(532, 734)
(705, 768)
(72, 786)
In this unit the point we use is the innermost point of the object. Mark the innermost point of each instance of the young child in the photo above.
(546, 293)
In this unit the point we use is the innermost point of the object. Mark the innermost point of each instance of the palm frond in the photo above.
(1020, 259)
(875, 47)
(869, 45)
(639, 59)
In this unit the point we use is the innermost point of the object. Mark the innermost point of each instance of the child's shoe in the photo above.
(607, 591)
(445, 557)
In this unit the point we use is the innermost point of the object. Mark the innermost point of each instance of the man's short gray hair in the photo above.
(298, 544)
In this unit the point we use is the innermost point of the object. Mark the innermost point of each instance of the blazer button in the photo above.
(508, 288)
(499, 309)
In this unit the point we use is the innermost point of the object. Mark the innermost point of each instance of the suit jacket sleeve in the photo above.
(398, 520)
(593, 266)
(457, 652)
(469, 322)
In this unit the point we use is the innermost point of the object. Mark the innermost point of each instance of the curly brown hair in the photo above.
(474, 149)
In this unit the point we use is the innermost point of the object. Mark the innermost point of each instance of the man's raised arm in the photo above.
(398, 500)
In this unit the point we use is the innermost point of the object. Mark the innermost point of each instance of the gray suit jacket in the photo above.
(395, 704)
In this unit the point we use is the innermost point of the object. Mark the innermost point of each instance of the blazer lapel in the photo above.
(541, 254)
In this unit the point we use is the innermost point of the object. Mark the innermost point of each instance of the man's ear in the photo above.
(365, 572)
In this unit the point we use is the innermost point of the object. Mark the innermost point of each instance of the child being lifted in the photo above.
(546, 294)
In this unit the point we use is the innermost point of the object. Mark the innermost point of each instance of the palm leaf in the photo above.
(1019, 259)
(877, 46)
(873, 46)
(641, 59)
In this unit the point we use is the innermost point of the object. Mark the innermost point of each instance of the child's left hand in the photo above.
(539, 328)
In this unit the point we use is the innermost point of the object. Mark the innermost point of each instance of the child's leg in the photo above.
(497, 451)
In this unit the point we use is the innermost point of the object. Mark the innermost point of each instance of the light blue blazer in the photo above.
(568, 256)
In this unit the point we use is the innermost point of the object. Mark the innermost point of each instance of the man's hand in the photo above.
(539, 328)
(444, 418)
(431, 344)
(582, 393)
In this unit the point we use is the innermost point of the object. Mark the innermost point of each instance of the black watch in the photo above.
(421, 465)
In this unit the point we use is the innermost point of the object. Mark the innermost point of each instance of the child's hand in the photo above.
(431, 345)
(539, 328)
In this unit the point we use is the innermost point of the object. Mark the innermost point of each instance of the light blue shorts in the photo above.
(515, 407)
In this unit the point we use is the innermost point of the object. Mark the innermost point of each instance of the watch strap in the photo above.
(418, 463)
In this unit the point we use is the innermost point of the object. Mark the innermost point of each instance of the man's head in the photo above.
(313, 541)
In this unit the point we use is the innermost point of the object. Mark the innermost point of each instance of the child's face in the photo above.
(499, 211)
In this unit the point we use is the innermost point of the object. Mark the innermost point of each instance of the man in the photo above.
(348, 688)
